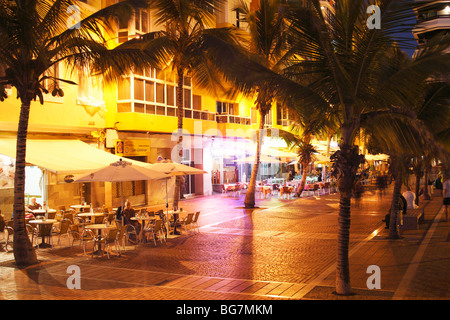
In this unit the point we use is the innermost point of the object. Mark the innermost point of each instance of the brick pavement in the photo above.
(284, 250)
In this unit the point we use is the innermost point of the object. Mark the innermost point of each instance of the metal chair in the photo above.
(187, 222)
(64, 229)
(85, 236)
(195, 221)
(32, 233)
(156, 230)
(121, 237)
(111, 238)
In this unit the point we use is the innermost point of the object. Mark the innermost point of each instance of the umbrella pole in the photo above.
(121, 199)
(167, 213)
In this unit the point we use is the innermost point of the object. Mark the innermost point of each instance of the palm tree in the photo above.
(305, 127)
(268, 47)
(188, 38)
(435, 113)
(351, 68)
(34, 38)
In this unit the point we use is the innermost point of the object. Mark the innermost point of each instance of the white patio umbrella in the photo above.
(380, 156)
(122, 171)
(173, 169)
(320, 158)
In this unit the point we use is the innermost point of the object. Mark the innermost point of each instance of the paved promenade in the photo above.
(283, 250)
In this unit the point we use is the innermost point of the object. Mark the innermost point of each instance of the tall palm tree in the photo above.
(352, 71)
(34, 37)
(267, 46)
(188, 37)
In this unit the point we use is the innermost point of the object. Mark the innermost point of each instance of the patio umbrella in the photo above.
(173, 169)
(120, 171)
(272, 152)
(380, 156)
(320, 158)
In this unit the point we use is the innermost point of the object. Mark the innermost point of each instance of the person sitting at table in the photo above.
(128, 213)
(33, 205)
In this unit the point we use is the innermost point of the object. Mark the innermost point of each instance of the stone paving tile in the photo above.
(270, 253)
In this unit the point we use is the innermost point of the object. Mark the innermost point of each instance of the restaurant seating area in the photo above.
(98, 231)
(281, 189)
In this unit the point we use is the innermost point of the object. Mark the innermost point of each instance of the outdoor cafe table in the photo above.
(99, 228)
(286, 190)
(42, 211)
(91, 214)
(178, 215)
(264, 190)
(80, 206)
(39, 223)
(142, 221)
(38, 212)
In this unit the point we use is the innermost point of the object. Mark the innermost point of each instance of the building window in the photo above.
(141, 21)
(160, 93)
(123, 90)
(170, 95)
(148, 91)
(139, 89)
(187, 95)
(268, 118)
(227, 108)
(196, 102)
(140, 26)
(284, 116)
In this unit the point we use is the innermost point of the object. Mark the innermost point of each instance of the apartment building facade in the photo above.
(138, 114)
(433, 18)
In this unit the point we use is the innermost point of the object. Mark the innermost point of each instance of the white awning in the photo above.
(63, 156)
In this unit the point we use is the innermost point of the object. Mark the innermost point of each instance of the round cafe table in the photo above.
(42, 211)
(80, 207)
(177, 217)
(264, 190)
(99, 228)
(39, 223)
(91, 215)
(142, 221)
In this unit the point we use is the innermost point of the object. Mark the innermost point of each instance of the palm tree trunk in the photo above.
(24, 253)
(249, 201)
(303, 181)
(343, 286)
(393, 224)
(426, 170)
(346, 162)
(180, 111)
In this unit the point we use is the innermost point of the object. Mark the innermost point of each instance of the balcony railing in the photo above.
(228, 118)
(171, 111)
(199, 115)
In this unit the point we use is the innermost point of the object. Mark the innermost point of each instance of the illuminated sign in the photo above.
(132, 147)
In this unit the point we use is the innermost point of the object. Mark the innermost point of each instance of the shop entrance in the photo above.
(189, 183)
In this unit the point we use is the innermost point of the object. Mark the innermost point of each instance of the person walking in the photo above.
(446, 195)
(438, 184)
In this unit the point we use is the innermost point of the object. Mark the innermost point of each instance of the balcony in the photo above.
(199, 115)
(227, 118)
